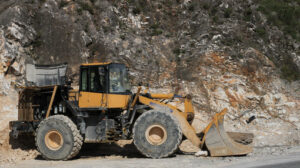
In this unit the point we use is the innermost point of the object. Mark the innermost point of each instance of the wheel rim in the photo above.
(156, 134)
(54, 140)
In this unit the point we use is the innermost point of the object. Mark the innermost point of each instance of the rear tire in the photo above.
(157, 134)
(57, 138)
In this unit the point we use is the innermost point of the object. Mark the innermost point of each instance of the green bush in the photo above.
(191, 7)
(215, 19)
(176, 51)
(122, 36)
(79, 11)
(63, 4)
(85, 6)
(136, 11)
(227, 12)
(213, 11)
(283, 13)
(289, 71)
(154, 26)
(156, 30)
(260, 31)
(205, 6)
(247, 15)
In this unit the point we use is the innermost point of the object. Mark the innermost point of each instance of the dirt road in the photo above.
(127, 157)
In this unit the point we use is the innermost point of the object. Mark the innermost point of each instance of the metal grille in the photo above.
(46, 75)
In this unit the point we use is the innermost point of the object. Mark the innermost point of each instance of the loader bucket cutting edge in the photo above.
(218, 141)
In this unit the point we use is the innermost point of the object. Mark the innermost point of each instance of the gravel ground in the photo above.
(125, 155)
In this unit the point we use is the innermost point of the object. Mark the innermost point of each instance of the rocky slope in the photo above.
(243, 55)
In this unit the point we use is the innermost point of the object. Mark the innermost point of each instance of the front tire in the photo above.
(157, 134)
(57, 138)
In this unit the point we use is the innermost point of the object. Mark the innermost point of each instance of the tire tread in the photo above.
(77, 138)
(141, 119)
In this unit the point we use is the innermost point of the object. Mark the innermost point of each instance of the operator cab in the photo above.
(104, 85)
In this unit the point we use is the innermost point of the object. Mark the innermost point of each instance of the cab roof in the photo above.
(101, 63)
(96, 63)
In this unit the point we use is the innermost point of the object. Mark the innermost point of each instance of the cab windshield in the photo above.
(118, 79)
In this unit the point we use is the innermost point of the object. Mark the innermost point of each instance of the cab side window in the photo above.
(97, 79)
(118, 79)
(102, 79)
(84, 79)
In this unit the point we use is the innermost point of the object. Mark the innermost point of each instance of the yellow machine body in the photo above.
(96, 100)
(104, 86)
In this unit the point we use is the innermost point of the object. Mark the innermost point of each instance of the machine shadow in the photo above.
(24, 142)
(90, 150)
(106, 150)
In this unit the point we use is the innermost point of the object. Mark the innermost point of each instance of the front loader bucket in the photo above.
(218, 142)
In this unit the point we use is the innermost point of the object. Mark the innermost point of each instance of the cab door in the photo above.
(83, 88)
(93, 87)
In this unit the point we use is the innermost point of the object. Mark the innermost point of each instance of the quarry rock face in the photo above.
(209, 49)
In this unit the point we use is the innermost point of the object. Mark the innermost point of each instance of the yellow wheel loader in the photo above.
(104, 109)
